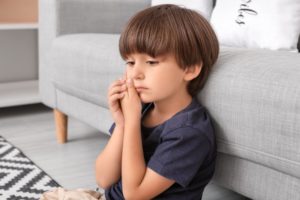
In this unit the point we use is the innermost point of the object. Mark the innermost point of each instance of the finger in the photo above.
(117, 89)
(112, 86)
(117, 82)
(130, 87)
(122, 79)
(129, 83)
(115, 98)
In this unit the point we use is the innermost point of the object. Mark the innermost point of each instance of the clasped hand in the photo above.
(124, 102)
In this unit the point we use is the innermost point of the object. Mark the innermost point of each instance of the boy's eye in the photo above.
(129, 63)
(152, 62)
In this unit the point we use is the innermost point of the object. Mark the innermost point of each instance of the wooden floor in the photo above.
(31, 129)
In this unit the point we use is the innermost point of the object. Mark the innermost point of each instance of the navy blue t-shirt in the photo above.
(182, 148)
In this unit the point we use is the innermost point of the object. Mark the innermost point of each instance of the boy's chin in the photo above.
(145, 100)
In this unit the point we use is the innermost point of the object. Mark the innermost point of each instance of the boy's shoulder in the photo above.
(194, 119)
(194, 115)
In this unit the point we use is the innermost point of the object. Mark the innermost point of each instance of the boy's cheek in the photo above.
(128, 73)
(129, 76)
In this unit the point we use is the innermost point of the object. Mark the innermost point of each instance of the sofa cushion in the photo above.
(85, 64)
(254, 98)
(271, 24)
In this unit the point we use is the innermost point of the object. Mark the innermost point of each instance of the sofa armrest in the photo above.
(61, 17)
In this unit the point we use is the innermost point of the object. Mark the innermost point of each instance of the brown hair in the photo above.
(163, 29)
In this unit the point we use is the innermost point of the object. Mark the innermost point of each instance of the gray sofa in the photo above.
(253, 95)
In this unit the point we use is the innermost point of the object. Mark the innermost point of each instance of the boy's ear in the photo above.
(192, 72)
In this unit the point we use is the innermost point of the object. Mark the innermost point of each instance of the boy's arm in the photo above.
(138, 181)
(108, 163)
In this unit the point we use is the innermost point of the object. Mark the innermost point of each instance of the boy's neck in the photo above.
(170, 107)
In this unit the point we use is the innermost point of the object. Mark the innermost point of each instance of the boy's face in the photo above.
(156, 79)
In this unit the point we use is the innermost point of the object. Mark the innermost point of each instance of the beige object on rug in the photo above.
(78, 194)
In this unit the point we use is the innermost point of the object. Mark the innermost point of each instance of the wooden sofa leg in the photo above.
(61, 123)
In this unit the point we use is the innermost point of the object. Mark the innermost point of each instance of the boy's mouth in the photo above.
(140, 89)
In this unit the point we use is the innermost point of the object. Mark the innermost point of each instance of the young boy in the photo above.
(165, 149)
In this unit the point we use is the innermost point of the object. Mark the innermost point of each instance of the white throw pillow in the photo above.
(271, 24)
(203, 7)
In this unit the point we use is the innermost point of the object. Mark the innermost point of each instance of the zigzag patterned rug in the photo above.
(20, 178)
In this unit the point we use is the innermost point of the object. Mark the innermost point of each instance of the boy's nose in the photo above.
(137, 74)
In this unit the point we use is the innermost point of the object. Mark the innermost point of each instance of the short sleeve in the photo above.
(112, 128)
(180, 154)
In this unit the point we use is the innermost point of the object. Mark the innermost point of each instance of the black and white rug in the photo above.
(20, 178)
